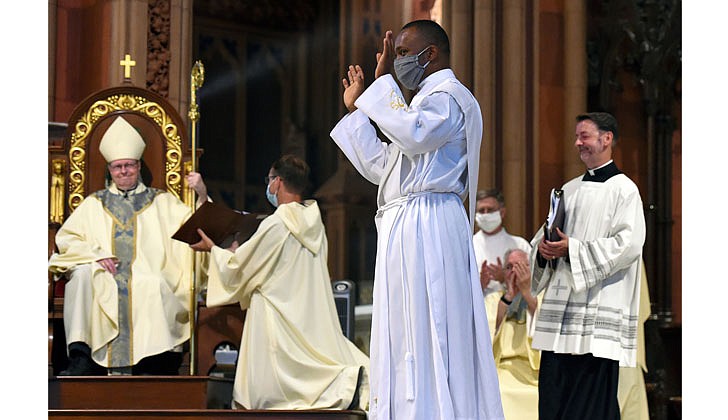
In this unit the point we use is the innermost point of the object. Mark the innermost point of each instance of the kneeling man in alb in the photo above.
(293, 354)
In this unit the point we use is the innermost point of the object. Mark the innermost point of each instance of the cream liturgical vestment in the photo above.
(430, 347)
(516, 361)
(143, 310)
(293, 354)
(631, 392)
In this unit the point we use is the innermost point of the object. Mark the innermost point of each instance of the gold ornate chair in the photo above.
(77, 168)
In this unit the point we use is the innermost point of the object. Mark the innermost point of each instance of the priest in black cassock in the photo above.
(586, 326)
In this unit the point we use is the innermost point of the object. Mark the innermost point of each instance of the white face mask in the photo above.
(488, 222)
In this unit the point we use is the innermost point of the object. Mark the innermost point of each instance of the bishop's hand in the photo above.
(195, 182)
(108, 264)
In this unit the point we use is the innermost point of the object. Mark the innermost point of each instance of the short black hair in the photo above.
(432, 32)
(603, 120)
(495, 193)
(294, 172)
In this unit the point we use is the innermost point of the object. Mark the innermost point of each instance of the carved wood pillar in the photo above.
(515, 111)
(52, 37)
(459, 26)
(575, 80)
(127, 35)
(484, 86)
(180, 54)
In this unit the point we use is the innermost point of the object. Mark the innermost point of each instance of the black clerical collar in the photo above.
(601, 174)
(126, 193)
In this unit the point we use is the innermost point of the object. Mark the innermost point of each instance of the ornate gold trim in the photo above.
(57, 189)
(133, 103)
(189, 194)
(395, 101)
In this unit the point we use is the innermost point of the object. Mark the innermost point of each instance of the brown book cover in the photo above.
(220, 223)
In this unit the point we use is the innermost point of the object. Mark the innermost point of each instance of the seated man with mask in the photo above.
(126, 304)
(293, 354)
(492, 240)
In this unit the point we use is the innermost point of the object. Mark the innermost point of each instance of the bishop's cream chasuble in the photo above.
(143, 310)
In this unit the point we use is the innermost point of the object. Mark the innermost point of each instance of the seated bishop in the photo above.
(126, 302)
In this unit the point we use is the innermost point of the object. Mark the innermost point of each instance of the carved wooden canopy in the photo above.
(167, 147)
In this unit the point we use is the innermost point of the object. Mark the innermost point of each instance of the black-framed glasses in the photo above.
(270, 178)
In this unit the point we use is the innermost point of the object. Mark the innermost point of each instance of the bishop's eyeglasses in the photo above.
(119, 166)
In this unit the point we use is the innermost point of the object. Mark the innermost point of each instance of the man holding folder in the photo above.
(587, 323)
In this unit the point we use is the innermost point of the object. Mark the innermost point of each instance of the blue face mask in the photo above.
(272, 198)
(409, 71)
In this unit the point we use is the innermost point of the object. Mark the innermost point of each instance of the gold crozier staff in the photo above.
(197, 78)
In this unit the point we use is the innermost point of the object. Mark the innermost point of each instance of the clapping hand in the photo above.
(522, 276)
(353, 87)
(495, 271)
(385, 59)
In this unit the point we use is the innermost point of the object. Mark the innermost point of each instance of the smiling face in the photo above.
(124, 173)
(595, 147)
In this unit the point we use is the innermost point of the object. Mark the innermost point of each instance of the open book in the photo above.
(220, 223)
(555, 219)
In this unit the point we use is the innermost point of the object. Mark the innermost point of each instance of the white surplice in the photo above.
(293, 354)
(431, 354)
(592, 299)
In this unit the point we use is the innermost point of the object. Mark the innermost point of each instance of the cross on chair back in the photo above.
(77, 168)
